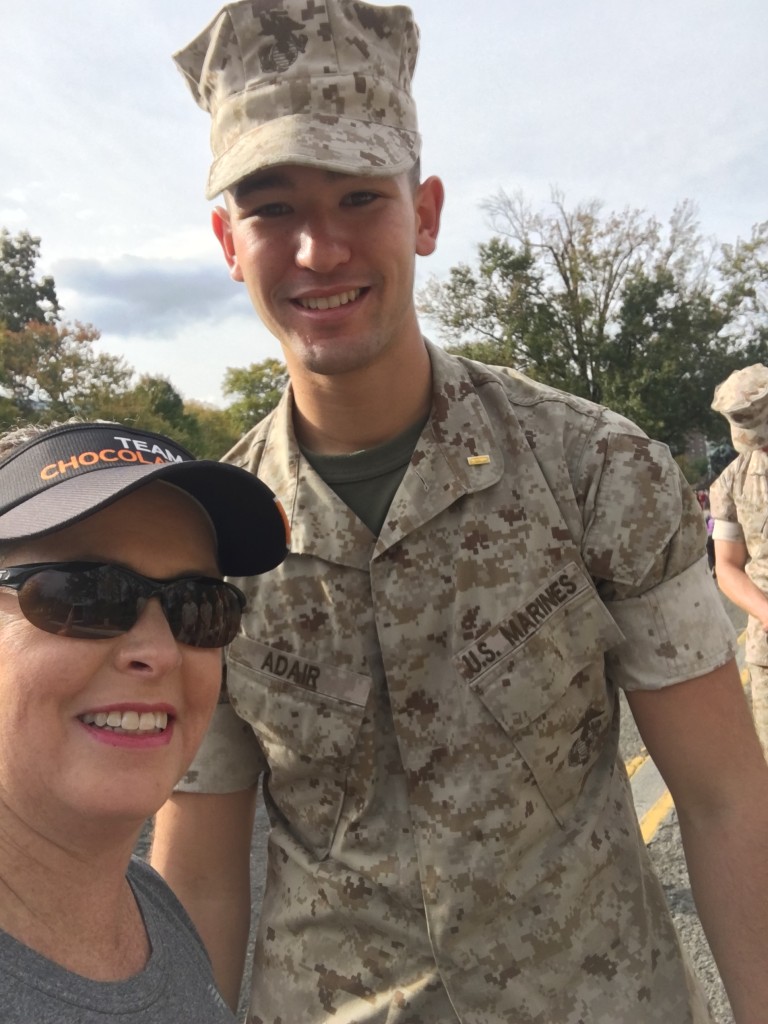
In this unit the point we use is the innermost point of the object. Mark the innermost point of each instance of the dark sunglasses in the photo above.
(95, 601)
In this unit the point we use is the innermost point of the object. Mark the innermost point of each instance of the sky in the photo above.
(104, 154)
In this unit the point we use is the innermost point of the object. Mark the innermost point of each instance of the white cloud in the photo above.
(11, 216)
(104, 154)
(135, 296)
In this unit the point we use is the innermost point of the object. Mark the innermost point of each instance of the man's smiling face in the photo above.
(328, 260)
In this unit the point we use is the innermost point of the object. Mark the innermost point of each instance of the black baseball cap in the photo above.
(71, 471)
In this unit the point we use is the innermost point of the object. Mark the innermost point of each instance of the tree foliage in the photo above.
(153, 403)
(257, 389)
(218, 430)
(612, 307)
(744, 268)
(50, 371)
(24, 297)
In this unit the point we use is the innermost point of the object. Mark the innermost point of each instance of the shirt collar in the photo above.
(457, 453)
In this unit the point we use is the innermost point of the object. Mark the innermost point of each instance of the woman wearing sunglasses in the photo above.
(113, 542)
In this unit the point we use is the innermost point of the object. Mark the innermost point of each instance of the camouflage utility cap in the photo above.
(743, 400)
(299, 82)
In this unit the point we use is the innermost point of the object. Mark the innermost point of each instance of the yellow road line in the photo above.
(636, 762)
(650, 821)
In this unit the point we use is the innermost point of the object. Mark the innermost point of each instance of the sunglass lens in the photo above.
(89, 603)
(202, 613)
(105, 601)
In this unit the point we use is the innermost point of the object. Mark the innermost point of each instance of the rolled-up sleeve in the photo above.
(676, 631)
(723, 506)
(645, 548)
(723, 530)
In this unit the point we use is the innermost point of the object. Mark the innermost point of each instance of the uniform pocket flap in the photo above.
(294, 704)
(525, 663)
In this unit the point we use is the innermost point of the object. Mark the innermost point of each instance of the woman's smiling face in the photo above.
(60, 767)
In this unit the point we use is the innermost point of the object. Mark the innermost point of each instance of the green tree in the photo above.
(257, 389)
(23, 296)
(668, 354)
(505, 305)
(218, 430)
(161, 397)
(50, 371)
(609, 306)
(574, 265)
(152, 403)
(584, 258)
(744, 270)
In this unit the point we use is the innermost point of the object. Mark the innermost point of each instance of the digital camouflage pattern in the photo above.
(738, 501)
(743, 399)
(453, 834)
(302, 82)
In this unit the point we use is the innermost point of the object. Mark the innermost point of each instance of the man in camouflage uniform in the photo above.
(429, 688)
(739, 506)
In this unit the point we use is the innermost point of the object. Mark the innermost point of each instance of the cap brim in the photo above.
(331, 143)
(250, 526)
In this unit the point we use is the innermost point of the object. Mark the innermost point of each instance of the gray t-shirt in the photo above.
(175, 987)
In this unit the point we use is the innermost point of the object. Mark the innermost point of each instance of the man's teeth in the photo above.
(330, 301)
(128, 721)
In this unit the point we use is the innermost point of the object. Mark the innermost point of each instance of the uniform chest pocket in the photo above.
(542, 678)
(307, 718)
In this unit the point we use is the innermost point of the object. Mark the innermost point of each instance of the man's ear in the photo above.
(222, 228)
(428, 203)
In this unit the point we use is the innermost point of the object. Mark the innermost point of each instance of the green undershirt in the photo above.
(366, 481)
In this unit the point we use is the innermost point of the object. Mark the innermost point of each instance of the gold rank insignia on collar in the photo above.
(478, 460)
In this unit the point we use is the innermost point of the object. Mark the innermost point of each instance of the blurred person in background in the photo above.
(739, 508)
